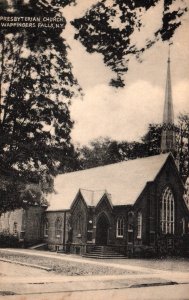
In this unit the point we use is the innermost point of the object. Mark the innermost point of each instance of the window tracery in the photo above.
(167, 212)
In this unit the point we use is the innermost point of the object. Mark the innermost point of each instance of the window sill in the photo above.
(119, 237)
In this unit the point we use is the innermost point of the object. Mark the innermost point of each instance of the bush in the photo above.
(142, 251)
(9, 241)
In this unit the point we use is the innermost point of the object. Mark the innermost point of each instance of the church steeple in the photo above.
(168, 135)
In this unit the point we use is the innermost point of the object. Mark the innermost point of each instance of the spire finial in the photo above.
(169, 51)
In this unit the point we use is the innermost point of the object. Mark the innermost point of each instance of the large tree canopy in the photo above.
(110, 28)
(105, 151)
(36, 87)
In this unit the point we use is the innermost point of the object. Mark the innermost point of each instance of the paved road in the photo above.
(34, 283)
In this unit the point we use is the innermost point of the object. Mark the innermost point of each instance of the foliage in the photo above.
(8, 240)
(100, 152)
(36, 87)
(110, 28)
(152, 139)
(106, 151)
(182, 140)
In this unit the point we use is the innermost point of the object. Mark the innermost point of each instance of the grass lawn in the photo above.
(62, 266)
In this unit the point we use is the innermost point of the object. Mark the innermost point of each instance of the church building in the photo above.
(125, 209)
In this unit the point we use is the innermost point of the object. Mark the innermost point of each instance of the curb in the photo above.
(26, 264)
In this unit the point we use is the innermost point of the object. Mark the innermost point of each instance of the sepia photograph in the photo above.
(94, 149)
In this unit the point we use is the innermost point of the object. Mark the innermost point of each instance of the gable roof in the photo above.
(124, 181)
(92, 197)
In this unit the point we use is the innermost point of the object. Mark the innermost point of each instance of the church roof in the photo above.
(124, 181)
(92, 197)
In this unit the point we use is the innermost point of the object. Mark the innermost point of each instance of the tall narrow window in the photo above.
(130, 227)
(58, 227)
(46, 228)
(120, 227)
(15, 228)
(167, 212)
(183, 226)
(139, 225)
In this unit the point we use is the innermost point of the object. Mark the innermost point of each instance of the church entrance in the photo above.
(102, 229)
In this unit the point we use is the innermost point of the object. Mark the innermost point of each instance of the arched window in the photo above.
(139, 225)
(120, 227)
(46, 228)
(58, 227)
(167, 212)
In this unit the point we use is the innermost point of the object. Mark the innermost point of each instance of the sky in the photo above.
(124, 114)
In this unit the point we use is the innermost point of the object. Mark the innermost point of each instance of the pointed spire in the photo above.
(168, 135)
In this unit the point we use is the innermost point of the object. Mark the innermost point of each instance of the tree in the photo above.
(182, 139)
(106, 151)
(96, 154)
(152, 140)
(110, 28)
(36, 87)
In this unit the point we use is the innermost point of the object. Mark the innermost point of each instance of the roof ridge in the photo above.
(89, 190)
(116, 163)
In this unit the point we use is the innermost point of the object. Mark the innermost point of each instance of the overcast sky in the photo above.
(124, 114)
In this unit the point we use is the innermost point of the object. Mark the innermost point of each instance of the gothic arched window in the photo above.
(120, 227)
(167, 212)
(58, 227)
(139, 225)
(46, 227)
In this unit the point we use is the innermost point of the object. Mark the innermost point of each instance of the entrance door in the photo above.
(102, 231)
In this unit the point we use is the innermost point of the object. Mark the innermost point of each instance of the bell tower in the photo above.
(168, 132)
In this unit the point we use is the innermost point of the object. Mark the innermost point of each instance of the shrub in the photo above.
(8, 241)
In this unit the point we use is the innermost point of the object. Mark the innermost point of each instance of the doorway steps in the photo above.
(103, 252)
(42, 246)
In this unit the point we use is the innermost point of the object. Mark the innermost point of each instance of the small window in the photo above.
(46, 228)
(15, 228)
(120, 227)
(58, 227)
(139, 225)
